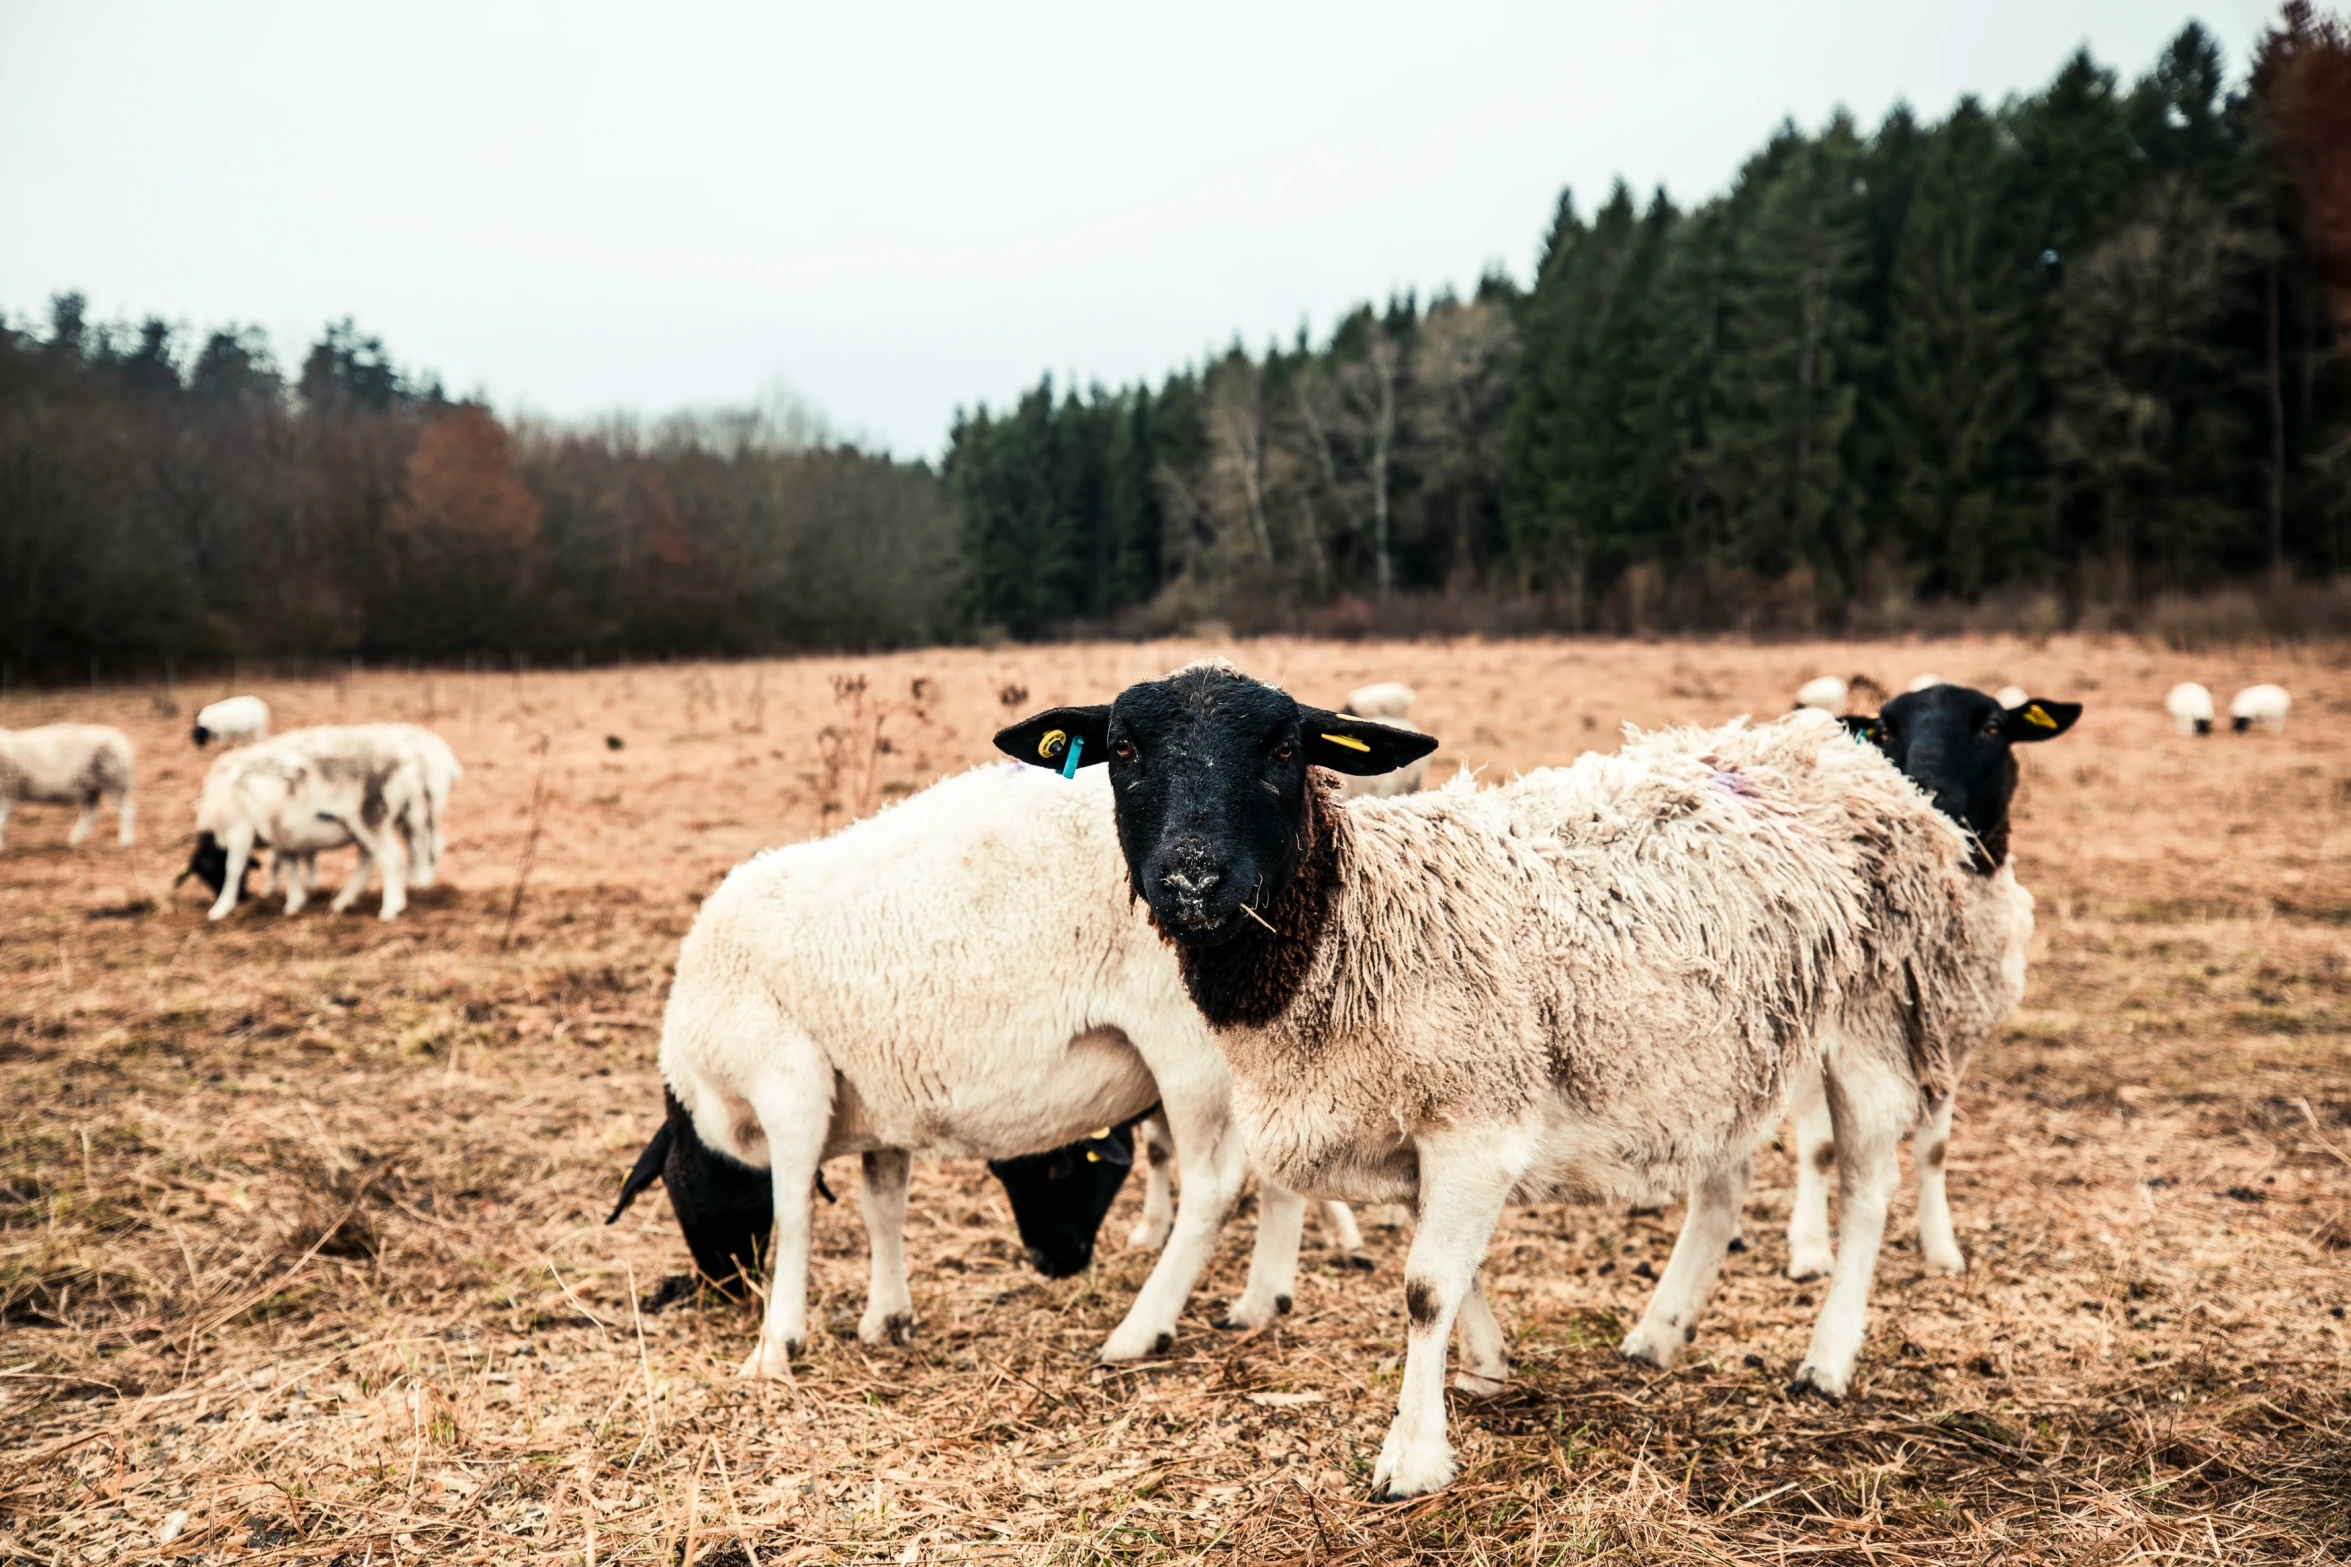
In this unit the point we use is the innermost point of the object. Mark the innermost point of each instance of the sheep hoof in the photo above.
(1804, 1268)
(1951, 1267)
(1476, 1384)
(1400, 1476)
(895, 1327)
(1812, 1382)
(1130, 1344)
(768, 1360)
(1645, 1349)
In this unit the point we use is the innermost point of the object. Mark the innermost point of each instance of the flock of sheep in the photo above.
(383, 788)
(1607, 982)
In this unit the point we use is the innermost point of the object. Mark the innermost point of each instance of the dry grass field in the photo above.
(302, 1254)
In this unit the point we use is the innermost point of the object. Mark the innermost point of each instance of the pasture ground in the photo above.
(302, 1254)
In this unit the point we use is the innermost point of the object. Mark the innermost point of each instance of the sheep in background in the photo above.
(1924, 683)
(1387, 699)
(1825, 693)
(422, 828)
(232, 720)
(2190, 707)
(69, 764)
(1598, 982)
(962, 975)
(2012, 696)
(1389, 702)
(304, 792)
(2260, 706)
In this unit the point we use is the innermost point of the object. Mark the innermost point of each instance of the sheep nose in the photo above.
(1191, 868)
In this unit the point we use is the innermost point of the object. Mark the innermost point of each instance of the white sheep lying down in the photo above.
(1599, 982)
(962, 975)
(308, 791)
(69, 764)
(233, 720)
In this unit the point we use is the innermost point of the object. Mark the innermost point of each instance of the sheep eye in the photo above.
(1995, 724)
(1124, 750)
(1283, 750)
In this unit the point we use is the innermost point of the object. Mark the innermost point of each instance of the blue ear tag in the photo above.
(1069, 763)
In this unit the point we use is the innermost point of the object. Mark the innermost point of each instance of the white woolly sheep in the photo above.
(1387, 699)
(69, 764)
(1957, 746)
(1597, 982)
(232, 720)
(422, 829)
(961, 975)
(311, 790)
(2012, 696)
(2262, 707)
(1826, 693)
(2190, 707)
(1924, 683)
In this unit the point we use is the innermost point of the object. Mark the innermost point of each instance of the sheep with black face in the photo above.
(960, 975)
(1597, 982)
(1958, 746)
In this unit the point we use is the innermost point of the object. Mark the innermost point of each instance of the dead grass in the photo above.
(301, 1253)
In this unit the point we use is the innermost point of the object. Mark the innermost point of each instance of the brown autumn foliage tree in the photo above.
(463, 538)
(2303, 80)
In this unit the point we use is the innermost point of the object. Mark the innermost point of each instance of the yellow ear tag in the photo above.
(1092, 1157)
(1050, 743)
(1098, 1136)
(2035, 716)
(1350, 742)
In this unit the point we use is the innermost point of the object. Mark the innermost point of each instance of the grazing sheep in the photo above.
(2190, 707)
(1597, 982)
(2260, 706)
(1958, 747)
(69, 764)
(960, 976)
(232, 720)
(422, 829)
(1823, 692)
(1388, 702)
(303, 792)
(2012, 696)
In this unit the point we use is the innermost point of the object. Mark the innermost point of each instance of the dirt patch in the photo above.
(301, 1235)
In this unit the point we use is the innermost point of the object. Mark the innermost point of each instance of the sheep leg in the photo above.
(126, 819)
(1485, 1353)
(881, 1199)
(81, 827)
(1466, 1175)
(240, 850)
(1871, 1110)
(1273, 1262)
(1150, 1231)
(6, 805)
(1671, 1319)
(795, 1147)
(1937, 1239)
(1210, 1167)
(356, 883)
(1811, 1135)
(1339, 1219)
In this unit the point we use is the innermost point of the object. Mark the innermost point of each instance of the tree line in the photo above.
(2083, 347)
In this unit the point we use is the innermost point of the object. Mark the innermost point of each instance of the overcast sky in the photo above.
(898, 209)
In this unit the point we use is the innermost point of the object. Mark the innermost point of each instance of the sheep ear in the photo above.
(2040, 720)
(1047, 739)
(1362, 746)
(647, 1171)
(1864, 727)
